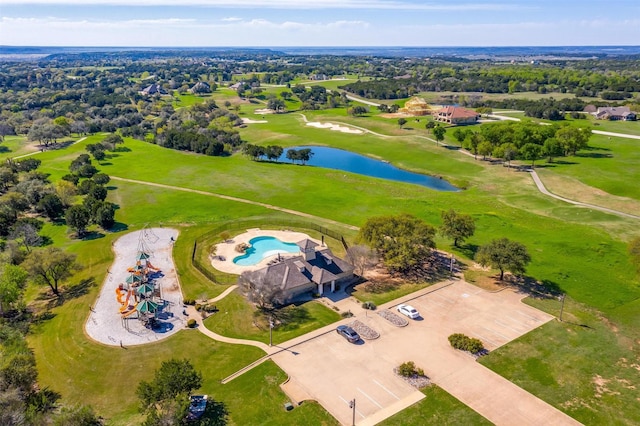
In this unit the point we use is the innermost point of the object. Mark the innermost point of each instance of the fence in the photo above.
(253, 222)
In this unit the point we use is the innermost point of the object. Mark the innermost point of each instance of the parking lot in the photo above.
(333, 371)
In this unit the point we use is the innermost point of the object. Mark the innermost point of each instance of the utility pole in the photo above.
(270, 331)
(352, 405)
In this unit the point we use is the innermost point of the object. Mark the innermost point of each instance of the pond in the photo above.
(338, 159)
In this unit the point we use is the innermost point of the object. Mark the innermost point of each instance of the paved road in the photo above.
(362, 101)
(545, 191)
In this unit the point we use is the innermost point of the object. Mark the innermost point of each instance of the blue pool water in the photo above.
(262, 247)
(338, 159)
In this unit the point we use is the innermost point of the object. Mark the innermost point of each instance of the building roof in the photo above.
(617, 111)
(307, 244)
(295, 272)
(457, 112)
(153, 89)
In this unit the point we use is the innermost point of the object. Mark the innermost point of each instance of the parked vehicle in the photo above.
(348, 333)
(409, 311)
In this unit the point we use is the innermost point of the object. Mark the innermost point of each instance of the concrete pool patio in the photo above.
(226, 251)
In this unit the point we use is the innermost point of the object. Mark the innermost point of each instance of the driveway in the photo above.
(333, 371)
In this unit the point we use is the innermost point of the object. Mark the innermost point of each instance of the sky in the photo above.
(271, 23)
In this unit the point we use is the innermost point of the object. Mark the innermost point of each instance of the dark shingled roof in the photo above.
(307, 244)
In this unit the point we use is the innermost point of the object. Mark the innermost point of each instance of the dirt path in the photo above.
(239, 200)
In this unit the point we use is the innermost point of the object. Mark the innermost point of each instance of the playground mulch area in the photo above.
(106, 324)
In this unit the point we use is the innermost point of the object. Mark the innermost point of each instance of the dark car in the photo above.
(348, 333)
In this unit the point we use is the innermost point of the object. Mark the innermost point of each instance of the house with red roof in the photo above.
(456, 115)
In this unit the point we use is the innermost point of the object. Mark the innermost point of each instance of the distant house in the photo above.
(201, 87)
(590, 109)
(456, 115)
(615, 114)
(316, 270)
(416, 106)
(236, 86)
(318, 77)
(153, 90)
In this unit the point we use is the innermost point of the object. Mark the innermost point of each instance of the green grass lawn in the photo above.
(437, 408)
(580, 251)
(586, 366)
(14, 146)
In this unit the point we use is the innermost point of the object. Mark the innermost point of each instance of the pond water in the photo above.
(338, 159)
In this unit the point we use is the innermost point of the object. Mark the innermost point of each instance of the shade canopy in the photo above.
(145, 289)
(142, 256)
(134, 279)
(147, 307)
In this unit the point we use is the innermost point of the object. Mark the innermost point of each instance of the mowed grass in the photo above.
(578, 250)
(585, 366)
(235, 319)
(437, 408)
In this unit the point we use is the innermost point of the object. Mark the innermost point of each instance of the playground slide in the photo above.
(126, 314)
(119, 296)
(150, 266)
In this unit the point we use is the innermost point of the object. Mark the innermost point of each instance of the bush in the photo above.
(347, 314)
(210, 308)
(465, 343)
(369, 305)
(409, 369)
(189, 302)
(191, 323)
(198, 307)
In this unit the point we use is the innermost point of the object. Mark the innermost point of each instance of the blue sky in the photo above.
(318, 22)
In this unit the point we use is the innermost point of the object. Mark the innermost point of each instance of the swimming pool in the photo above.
(262, 247)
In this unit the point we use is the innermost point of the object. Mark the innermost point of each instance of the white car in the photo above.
(409, 311)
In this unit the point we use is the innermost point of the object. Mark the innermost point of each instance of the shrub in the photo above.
(347, 314)
(198, 307)
(191, 323)
(369, 305)
(465, 343)
(189, 302)
(210, 308)
(409, 369)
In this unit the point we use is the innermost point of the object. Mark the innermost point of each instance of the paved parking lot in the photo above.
(333, 371)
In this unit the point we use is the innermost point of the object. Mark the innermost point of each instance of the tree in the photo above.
(634, 251)
(51, 205)
(438, 133)
(258, 288)
(552, 148)
(12, 282)
(65, 191)
(101, 178)
(105, 215)
(531, 151)
(430, 125)
(362, 258)
(77, 218)
(276, 104)
(403, 241)
(485, 148)
(457, 226)
(173, 378)
(77, 416)
(459, 134)
(50, 266)
(402, 122)
(113, 139)
(358, 110)
(273, 152)
(573, 139)
(26, 234)
(505, 255)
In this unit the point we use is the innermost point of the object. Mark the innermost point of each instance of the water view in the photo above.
(338, 159)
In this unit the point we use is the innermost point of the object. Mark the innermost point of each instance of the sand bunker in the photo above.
(106, 324)
(250, 121)
(335, 127)
(264, 111)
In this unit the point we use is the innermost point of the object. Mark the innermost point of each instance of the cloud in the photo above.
(290, 4)
(231, 19)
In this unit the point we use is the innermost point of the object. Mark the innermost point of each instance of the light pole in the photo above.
(270, 331)
(562, 306)
(453, 260)
(352, 405)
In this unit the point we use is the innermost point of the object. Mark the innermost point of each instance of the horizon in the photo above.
(302, 23)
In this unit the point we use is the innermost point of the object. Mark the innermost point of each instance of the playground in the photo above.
(140, 300)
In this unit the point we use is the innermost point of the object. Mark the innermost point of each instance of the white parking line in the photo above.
(490, 330)
(486, 339)
(388, 391)
(370, 399)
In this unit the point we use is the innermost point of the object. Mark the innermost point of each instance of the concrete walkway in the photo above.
(545, 191)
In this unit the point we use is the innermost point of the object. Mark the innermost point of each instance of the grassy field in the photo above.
(580, 251)
(437, 408)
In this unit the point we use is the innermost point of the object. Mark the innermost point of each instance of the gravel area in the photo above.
(105, 323)
(394, 318)
(415, 380)
(364, 331)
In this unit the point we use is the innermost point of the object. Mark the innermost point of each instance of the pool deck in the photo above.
(227, 249)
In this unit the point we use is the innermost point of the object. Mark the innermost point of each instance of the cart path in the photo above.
(237, 199)
(545, 191)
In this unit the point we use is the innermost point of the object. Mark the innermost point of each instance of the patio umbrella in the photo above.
(147, 307)
(133, 279)
(142, 256)
(145, 288)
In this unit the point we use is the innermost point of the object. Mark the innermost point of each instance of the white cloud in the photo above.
(231, 19)
(289, 4)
